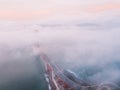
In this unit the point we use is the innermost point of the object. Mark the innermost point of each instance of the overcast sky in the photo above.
(42, 9)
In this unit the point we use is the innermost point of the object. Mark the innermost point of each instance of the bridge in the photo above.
(61, 79)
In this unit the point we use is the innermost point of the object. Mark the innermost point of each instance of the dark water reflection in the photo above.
(21, 71)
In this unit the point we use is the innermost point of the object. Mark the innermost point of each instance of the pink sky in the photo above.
(38, 9)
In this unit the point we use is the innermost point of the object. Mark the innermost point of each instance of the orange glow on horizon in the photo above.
(48, 12)
(95, 9)
(23, 15)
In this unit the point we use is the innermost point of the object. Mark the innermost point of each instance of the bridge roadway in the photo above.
(60, 79)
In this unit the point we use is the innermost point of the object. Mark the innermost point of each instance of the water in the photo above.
(22, 72)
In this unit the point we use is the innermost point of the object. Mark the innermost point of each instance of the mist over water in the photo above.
(91, 53)
(19, 70)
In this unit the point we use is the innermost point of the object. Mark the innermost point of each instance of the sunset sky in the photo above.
(45, 9)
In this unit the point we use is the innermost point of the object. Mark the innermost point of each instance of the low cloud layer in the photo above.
(92, 51)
